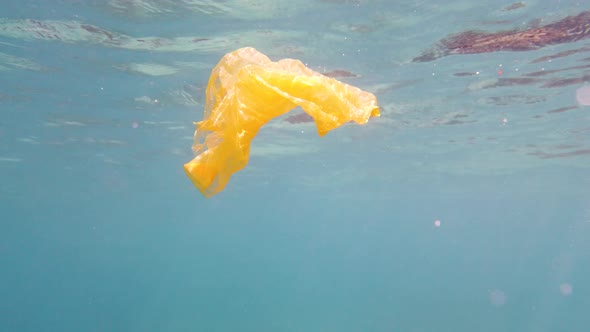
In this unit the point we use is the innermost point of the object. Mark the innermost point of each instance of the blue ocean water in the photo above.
(464, 207)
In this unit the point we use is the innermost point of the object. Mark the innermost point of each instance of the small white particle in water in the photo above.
(498, 297)
(437, 223)
(566, 289)
(476, 73)
(583, 95)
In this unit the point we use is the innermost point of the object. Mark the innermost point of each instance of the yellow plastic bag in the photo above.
(245, 91)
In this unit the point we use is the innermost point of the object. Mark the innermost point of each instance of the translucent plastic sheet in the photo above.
(245, 91)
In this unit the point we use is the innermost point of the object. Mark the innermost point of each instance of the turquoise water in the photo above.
(464, 207)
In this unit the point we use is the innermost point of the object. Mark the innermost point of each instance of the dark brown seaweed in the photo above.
(567, 30)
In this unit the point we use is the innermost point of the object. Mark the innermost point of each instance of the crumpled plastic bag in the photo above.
(245, 91)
